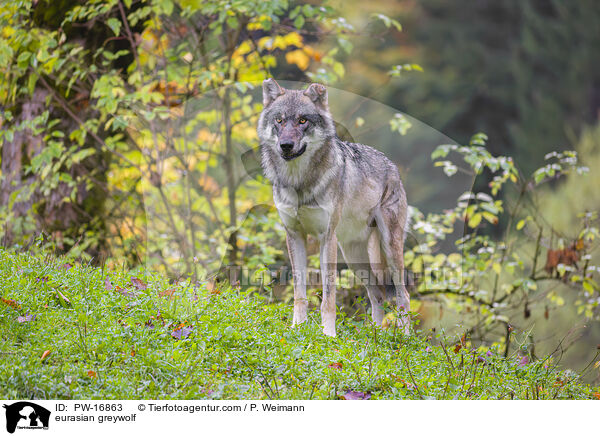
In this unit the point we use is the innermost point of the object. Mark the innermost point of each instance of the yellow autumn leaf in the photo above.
(293, 38)
(280, 42)
(209, 185)
(299, 58)
(474, 220)
(316, 55)
(244, 48)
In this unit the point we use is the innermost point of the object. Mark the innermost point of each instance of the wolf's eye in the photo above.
(302, 120)
(279, 120)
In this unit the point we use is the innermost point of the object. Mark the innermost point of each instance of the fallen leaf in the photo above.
(26, 318)
(45, 355)
(167, 293)
(353, 395)
(124, 292)
(92, 374)
(11, 303)
(107, 284)
(67, 266)
(181, 332)
(139, 285)
(597, 395)
(336, 365)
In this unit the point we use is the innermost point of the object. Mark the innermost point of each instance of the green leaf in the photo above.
(589, 285)
(299, 21)
(115, 25)
(308, 10)
(490, 217)
(82, 154)
(338, 67)
(23, 59)
(475, 220)
(440, 151)
(167, 7)
(31, 81)
(345, 44)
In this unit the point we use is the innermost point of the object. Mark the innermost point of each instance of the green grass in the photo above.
(104, 344)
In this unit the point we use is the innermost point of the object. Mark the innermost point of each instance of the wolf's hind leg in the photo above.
(357, 256)
(297, 251)
(390, 225)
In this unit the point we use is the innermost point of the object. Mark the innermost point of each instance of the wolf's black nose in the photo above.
(286, 147)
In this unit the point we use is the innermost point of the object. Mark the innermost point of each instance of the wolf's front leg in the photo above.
(328, 260)
(297, 251)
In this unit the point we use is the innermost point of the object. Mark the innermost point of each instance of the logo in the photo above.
(26, 415)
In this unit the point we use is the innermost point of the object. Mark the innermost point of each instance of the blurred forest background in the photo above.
(127, 135)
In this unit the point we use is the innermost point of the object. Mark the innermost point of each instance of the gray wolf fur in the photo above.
(346, 194)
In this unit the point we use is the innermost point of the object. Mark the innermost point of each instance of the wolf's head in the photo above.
(294, 123)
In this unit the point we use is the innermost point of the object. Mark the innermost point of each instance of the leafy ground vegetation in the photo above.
(72, 331)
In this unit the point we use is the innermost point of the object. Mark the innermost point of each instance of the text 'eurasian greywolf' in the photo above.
(347, 195)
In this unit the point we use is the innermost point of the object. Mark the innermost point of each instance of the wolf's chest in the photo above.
(314, 220)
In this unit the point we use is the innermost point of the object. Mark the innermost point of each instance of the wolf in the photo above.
(347, 195)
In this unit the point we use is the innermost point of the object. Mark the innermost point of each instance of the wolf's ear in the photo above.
(271, 90)
(317, 93)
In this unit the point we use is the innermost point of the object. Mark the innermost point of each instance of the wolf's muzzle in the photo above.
(288, 155)
(286, 148)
